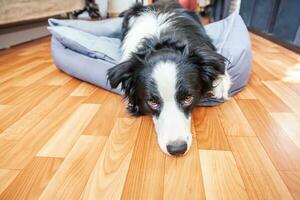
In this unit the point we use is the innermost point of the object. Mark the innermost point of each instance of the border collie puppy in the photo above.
(168, 64)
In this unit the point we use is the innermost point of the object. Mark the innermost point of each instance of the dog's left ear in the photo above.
(210, 65)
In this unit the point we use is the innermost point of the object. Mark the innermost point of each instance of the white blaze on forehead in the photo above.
(165, 77)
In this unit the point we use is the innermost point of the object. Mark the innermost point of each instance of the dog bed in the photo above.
(87, 49)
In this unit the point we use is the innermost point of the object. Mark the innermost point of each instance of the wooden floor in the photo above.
(61, 138)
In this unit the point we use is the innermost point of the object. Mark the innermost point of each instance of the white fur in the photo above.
(221, 86)
(171, 125)
(147, 25)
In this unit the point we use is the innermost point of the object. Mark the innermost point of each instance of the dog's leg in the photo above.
(221, 86)
(132, 108)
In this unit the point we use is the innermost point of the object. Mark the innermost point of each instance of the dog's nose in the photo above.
(177, 148)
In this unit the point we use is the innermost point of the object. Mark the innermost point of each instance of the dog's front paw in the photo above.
(133, 109)
(221, 87)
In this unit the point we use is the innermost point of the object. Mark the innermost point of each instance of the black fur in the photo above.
(186, 44)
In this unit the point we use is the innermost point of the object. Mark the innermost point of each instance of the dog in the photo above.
(168, 64)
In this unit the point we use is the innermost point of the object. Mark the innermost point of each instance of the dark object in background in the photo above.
(189, 4)
(277, 20)
(92, 9)
(220, 9)
(139, 1)
(217, 10)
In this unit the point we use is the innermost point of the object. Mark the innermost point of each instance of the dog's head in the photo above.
(167, 81)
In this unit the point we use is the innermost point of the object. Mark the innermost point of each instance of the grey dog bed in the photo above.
(86, 50)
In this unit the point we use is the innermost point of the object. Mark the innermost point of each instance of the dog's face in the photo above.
(167, 84)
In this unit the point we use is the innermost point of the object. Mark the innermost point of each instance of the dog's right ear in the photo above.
(124, 74)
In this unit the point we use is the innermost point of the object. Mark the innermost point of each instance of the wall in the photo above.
(117, 6)
(277, 20)
(12, 11)
(23, 33)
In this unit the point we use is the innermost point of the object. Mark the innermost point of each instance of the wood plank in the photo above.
(19, 110)
(25, 94)
(294, 86)
(253, 80)
(58, 78)
(5, 147)
(31, 181)
(18, 62)
(221, 177)
(292, 180)
(36, 49)
(20, 154)
(292, 75)
(8, 92)
(25, 81)
(145, 178)
(8, 56)
(24, 76)
(13, 94)
(98, 96)
(6, 177)
(63, 140)
(34, 116)
(209, 131)
(287, 95)
(186, 173)
(3, 109)
(262, 72)
(100, 125)
(84, 89)
(283, 152)
(261, 179)
(285, 62)
(108, 177)
(45, 79)
(233, 120)
(277, 68)
(290, 123)
(268, 99)
(72, 176)
(245, 94)
(18, 70)
(264, 42)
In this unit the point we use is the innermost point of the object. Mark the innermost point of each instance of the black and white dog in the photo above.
(168, 65)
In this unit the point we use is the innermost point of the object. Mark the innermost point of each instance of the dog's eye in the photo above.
(188, 100)
(153, 104)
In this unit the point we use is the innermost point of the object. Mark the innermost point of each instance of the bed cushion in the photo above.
(89, 58)
(101, 47)
(92, 70)
(107, 28)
